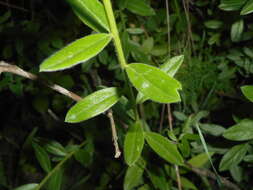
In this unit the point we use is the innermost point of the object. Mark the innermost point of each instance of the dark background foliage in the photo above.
(214, 69)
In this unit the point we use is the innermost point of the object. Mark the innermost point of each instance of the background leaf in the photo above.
(31, 186)
(200, 160)
(134, 174)
(42, 157)
(248, 8)
(237, 30)
(164, 148)
(133, 143)
(241, 131)
(55, 180)
(93, 105)
(139, 7)
(247, 91)
(145, 79)
(55, 148)
(233, 157)
(231, 5)
(77, 52)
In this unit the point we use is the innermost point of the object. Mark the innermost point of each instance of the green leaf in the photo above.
(77, 52)
(248, 8)
(237, 173)
(140, 7)
(164, 148)
(55, 148)
(212, 129)
(233, 157)
(158, 179)
(92, 13)
(42, 157)
(231, 5)
(242, 131)
(31, 186)
(134, 174)
(170, 67)
(213, 24)
(188, 184)
(247, 91)
(237, 30)
(133, 143)
(5, 17)
(93, 105)
(200, 160)
(153, 83)
(55, 180)
(3, 178)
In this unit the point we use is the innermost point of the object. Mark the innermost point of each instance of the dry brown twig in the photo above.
(6, 67)
(114, 134)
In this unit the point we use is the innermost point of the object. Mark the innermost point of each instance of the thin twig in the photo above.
(170, 119)
(162, 118)
(179, 183)
(114, 134)
(13, 6)
(208, 173)
(168, 25)
(6, 67)
(189, 28)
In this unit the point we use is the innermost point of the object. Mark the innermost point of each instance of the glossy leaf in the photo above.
(242, 131)
(231, 5)
(237, 30)
(133, 143)
(134, 174)
(164, 148)
(154, 83)
(248, 8)
(93, 105)
(31, 186)
(77, 52)
(42, 157)
(139, 7)
(170, 67)
(233, 157)
(248, 92)
(92, 13)
(200, 160)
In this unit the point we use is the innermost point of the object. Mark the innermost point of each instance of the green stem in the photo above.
(58, 166)
(115, 33)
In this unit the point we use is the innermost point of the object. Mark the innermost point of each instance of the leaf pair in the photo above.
(134, 142)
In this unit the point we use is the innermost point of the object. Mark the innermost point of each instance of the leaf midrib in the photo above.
(77, 53)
